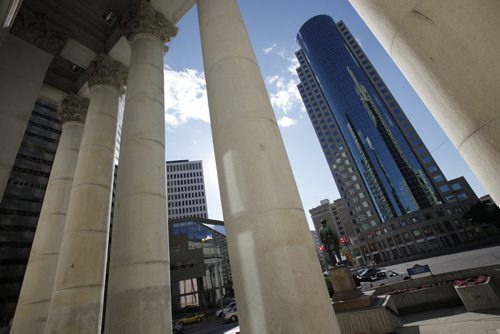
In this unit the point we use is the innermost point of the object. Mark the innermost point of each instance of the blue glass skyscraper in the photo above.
(382, 168)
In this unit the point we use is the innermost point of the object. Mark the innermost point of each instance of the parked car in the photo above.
(177, 328)
(232, 314)
(220, 313)
(384, 277)
(188, 318)
(235, 330)
(366, 274)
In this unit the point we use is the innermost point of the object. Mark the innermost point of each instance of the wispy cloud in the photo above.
(286, 95)
(286, 122)
(185, 96)
(283, 90)
(269, 49)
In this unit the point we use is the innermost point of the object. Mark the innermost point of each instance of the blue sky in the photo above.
(272, 26)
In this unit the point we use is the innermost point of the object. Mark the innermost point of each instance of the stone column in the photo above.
(77, 300)
(277, 276)
(33, 304)
(138, 295)
(25, 55)
(448, 50)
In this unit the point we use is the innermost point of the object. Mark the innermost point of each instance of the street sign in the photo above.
(419, 270)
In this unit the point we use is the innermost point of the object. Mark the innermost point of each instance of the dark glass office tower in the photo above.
(390, 169)
(22, 201)
(397, 198)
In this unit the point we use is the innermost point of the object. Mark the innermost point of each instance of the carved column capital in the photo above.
(73, 108)
(142, 19)
(36, 29)
(104, 70)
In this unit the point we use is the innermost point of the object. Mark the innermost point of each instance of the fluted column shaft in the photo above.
(33, 304)
(448, 50)
(77, 300)
(277, 277)
(138, 298)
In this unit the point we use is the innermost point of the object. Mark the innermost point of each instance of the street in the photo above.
(209, 327)
(452, 262)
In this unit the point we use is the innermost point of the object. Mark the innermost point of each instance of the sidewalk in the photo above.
(454, 320)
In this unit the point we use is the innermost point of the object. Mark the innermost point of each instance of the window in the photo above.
(403, 223)
(438, 178)
(433, 168)
(417, 234)
(427, 230)
(444, 188)
(456, 186)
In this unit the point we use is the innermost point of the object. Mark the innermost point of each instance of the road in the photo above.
(209, 327)
(458, 261)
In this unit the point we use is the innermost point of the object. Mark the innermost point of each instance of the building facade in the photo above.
(384, 172)
(199, 265)
(22, 201)
(186, 189)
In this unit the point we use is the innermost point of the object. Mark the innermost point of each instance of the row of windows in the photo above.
(178, 167)
(184, 189)
(183, 175)
(185, 195)
(184, 182)
(180, 211)
(197, 201)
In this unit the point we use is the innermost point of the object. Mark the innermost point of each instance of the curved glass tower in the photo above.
(362, 119)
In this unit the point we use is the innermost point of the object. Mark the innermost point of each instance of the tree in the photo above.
(483, 213)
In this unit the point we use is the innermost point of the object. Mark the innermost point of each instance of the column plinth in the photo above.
(138, 299)
(77, 300)
(33, 304)
(277, 277)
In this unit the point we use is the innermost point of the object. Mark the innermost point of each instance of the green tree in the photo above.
(483, 213)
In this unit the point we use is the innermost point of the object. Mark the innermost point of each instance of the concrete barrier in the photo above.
(479, 297)
(426, 298)
(441, 291)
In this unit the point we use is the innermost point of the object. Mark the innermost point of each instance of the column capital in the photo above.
(142, 19)
(104, 70)
(36, 29)
(73, 108)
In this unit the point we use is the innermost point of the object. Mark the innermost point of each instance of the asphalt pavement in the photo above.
(453, 262)
(209, 326)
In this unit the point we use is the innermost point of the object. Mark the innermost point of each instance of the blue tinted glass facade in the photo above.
(391, 172)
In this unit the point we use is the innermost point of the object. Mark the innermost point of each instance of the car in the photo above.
(220, 313)
(188, 318)
(383, 277)
(231, 315)
(177, 328)
(366, 274)
(235, 330)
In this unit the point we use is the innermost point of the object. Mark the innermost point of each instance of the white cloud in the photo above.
(294, 63)
(185, 96)
(286, 94)
(269, 49)
(286, 122)
(283, 90)
(272, 79)
(359, 41)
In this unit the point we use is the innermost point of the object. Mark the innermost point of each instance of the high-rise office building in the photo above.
(22, 201)
(382, 169)
(186, 189)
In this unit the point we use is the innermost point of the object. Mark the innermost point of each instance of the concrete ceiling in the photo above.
(90, 33)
